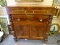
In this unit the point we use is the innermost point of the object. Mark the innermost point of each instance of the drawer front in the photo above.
(41, 18)
(19, 17)
(36, 18)
(22, 17)
(31, 10)
(14, 10)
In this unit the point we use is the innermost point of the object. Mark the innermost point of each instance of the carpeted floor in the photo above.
(10, 41)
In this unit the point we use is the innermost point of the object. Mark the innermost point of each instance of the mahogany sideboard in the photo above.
(31, 22)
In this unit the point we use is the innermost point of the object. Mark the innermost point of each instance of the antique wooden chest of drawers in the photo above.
(31, 22)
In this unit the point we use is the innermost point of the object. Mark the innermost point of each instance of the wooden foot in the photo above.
(45, 41)
(16, 39)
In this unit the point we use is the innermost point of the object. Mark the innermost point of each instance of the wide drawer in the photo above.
(31, 10)
(22, 17)
(36, 18)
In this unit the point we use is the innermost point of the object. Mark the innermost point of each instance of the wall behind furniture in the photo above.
(3, 14)
(44, 3)
(56, 20)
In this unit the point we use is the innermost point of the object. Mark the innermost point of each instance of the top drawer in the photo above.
(31, 10)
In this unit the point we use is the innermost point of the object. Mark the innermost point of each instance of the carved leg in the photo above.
(45, 41)
(16, 39)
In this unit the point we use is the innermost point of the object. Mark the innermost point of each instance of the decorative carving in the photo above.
(37, 30)
(20, 29)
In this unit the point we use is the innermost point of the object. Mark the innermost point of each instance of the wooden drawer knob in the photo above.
(18, 19)
(41, 20)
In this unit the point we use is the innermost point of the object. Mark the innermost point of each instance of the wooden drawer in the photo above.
(31, 10)
(32, 18)
(18, 10)
(19, 17)
(22, 17)
(41, 18)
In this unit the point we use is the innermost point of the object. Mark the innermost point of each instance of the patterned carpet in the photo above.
(10, 41)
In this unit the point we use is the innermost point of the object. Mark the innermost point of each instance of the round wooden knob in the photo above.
(18, 19)
(41, 20)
